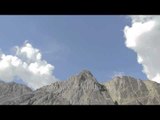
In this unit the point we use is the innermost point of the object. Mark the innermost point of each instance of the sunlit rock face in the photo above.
(84, 89)
(81, 89)
(130, 91)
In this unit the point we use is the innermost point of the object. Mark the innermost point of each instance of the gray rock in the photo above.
(10, 91)
(127, 90)
(82, 89)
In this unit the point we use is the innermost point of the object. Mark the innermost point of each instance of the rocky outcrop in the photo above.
(127, 90)
(10, 91)
(83, 89)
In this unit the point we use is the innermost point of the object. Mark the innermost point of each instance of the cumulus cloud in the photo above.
(143, 36)
(27, 64)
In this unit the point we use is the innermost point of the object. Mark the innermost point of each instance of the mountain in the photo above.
(127, 90)
(10, 91)
(81, 89)
(84, 89)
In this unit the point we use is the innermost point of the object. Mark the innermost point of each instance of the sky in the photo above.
(73, 43)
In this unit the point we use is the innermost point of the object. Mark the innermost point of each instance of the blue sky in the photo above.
(74, 43)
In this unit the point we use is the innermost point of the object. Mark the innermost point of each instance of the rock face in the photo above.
(83, 89)
(10, 91)
(129, 91)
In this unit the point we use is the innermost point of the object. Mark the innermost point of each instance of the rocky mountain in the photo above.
(83, 89)
(127, 90)
(10, 91)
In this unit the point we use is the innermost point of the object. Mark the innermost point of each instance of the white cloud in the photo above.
(143, 36)
(27, 64)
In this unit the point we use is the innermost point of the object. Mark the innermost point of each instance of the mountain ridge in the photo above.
(84, 89)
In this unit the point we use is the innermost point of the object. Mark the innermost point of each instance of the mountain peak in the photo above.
(83, 89)
(85, 73)
(80, 89)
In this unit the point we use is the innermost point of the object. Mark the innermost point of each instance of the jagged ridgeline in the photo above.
(83, 89)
